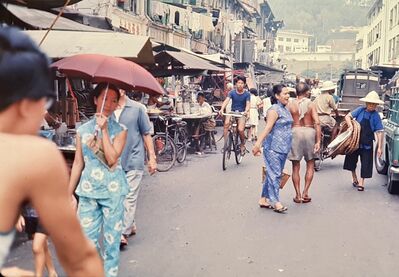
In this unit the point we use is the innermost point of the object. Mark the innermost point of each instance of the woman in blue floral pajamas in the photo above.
(102, 187)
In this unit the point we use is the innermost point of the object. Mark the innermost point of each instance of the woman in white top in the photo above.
(253, 120)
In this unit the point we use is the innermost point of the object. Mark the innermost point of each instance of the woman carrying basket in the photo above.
(371, 124)
(277, 137)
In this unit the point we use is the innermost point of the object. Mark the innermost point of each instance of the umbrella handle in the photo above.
(97, 128)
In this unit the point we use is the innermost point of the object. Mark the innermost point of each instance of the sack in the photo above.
(284, 177)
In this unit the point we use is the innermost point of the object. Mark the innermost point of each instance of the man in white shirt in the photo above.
(208, 125)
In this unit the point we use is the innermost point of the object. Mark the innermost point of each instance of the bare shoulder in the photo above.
(33, 154)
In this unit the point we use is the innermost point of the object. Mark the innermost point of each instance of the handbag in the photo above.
(285, 176)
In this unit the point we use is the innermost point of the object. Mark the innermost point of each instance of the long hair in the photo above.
(277, 89)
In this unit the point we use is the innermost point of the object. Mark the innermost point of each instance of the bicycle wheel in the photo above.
(320, 157)
(165, 151)
(237, 149)
(181, 145)
(226, 151)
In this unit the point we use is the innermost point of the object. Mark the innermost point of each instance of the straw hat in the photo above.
(372, 97)
(328, 85)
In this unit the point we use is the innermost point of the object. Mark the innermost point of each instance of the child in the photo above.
(29, 222)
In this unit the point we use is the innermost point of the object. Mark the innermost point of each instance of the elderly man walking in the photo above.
(133, 115)
(306, 135)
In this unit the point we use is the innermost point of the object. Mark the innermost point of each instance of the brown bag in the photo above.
(284, 177)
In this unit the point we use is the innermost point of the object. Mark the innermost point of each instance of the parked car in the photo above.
(388, 164)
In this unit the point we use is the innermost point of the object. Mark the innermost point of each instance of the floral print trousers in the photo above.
(104, 215)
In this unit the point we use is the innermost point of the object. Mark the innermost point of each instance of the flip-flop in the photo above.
(266, 206)
(360, 188)
(306, 199)
(282, 210)
(296, 200)
(123, 242)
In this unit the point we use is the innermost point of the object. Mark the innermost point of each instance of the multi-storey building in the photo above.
(243, 28)
(292, 41)
(378, 43)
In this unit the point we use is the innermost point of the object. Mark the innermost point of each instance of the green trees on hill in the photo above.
(318, 17)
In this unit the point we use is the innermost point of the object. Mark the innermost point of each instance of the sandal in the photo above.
(282, 210)
(355, 184)
(123, 242)
(360, 188)
(297, 200)
(266, 206)
(306, 199)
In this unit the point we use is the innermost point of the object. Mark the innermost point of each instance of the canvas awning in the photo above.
(184, 60)
(43, 4)
(61, 44)
(38, 19)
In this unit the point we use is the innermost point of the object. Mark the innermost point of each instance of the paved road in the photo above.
(197, 220)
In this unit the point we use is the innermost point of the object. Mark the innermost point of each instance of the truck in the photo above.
(355, 84)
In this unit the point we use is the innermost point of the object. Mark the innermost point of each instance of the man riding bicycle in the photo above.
(325, 103)
(240, 103)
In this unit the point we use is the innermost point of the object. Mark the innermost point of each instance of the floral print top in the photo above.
(97, 180)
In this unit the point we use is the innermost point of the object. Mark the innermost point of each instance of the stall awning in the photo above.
(42, 20)
(43, 4)
(186, 60)
(60, 44)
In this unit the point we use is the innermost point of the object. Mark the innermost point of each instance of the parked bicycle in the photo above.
(231, 143)
(171, 144)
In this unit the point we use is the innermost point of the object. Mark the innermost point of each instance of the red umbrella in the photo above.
(101, 68)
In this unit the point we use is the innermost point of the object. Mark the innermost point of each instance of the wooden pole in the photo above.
(55, 20)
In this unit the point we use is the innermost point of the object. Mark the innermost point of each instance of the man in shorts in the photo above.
(240, 103)
(325, 103)
(306, 134)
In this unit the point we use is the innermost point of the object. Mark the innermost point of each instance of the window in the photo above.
(288, 39)
(177, 18)
(360, 85)
(288, 48)
(281, 48)
(296, 40)
(390, 50)
(281, 39)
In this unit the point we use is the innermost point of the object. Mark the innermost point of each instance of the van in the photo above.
(388, 164)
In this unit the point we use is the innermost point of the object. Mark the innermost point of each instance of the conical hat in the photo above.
(372, 97)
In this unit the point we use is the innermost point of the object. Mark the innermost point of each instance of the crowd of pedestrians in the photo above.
(293, 131)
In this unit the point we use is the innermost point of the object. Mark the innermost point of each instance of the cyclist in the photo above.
(240, 102)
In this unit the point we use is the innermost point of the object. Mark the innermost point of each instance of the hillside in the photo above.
(318, 17)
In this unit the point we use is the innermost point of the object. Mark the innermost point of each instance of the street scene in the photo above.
(199, 138)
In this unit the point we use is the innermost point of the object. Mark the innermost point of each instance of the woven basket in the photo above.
(284, 177)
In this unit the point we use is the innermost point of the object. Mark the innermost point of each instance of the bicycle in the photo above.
(322, 154)
(170, 145)
(232, 139)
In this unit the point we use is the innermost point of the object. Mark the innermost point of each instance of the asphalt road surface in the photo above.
(198, 220)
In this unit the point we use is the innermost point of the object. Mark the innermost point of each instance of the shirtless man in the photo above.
(306, 135)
